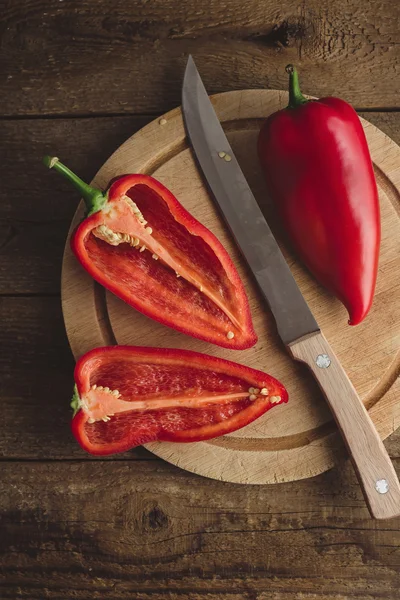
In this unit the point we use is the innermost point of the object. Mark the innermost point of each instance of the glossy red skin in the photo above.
(119, 188)
(252, 377)
(320, 177)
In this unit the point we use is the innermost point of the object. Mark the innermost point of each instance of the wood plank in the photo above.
(37, 380)
(144, 530)
(36, 207)
(116, 56)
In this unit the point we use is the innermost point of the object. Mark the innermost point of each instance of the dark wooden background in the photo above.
(77, 78)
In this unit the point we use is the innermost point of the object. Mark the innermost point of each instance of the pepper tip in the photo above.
(289, 69)
(355, 320)
(50, 161)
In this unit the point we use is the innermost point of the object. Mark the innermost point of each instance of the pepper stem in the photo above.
(296, 98)
(94, 198)
(76, 401)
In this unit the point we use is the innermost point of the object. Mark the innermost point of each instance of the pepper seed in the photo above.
(275, 399)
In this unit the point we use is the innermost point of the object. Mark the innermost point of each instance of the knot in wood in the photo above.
(156, 518)
(286, 34)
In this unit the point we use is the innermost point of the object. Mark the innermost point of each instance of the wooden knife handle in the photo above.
(373, 466)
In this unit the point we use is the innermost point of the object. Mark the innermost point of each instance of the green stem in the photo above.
(76, 401)
(94, 198)
(296, 98)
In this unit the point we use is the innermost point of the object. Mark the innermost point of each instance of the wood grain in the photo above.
(144, 530)
(115, 56)
(299, 439)
(371, 460)
(36, 208)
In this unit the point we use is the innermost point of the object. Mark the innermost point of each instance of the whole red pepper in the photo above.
(139, 242)
(126, 396)
(320, 177)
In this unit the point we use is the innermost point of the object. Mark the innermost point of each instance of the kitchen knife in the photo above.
(296, 324)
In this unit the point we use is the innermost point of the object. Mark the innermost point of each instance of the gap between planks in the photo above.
(147, 115)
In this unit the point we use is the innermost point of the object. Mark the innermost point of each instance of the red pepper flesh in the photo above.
(320, 177)
(126, 396)
(141, 244)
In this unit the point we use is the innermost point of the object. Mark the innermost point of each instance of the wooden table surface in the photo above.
(77, 78)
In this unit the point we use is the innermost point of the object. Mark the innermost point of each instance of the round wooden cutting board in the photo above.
(298, 439)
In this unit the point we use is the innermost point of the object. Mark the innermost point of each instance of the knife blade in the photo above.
(296, 325)
(241, 212)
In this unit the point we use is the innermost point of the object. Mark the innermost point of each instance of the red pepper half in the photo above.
(126, 396)
(320, 177)
(141, 244)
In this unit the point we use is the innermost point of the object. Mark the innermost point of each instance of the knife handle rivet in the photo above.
(323, 361)
(221, 154)
(227, 157)
(382, 486)
(162, 121)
